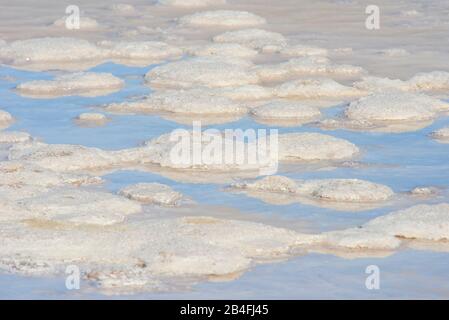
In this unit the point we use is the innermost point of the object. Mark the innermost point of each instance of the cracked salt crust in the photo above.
(81, 83)
(202, 72)
(253, 38)
(155, 193)
(225, 18)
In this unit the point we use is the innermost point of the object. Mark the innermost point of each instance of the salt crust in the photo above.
(441, 134)
(155, 193)
(89, 117)
(286, 110)
(225, 18)
(191, 3)
(314, 88)
(86, 23)
(222, 49)
(253, 38)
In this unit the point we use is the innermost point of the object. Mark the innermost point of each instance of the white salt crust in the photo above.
(225, 18)
(314, 88)
(5, 117)
(14, 137)
(86, 23)
(395, 106)
(151, 51)
(154, 193)
(253, 38)
(441, 134)
(286, 110)
(303, 51)
(421, 82)
(80, 83)
(92, 117)
(191, 3)
(313, 65)
(202, 72)
(314, 146)
(192, 101)
(123, 8)
(222, 49)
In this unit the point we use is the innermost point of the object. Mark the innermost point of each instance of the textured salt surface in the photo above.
(152, 193)
(226, 18)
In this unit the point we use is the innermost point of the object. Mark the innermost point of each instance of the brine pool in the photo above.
(402, 161)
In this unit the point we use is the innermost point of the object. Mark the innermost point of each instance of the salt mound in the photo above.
(254, 38)
(191, 3)
(123, 8)
(312, 65)
(152, 193)
(270, 184)
(356, 238)
(85, 23)
(246, 93)
(394, 52)
(303, 51)
(222, 49)
(81, 83)
(193, 101)
(201, 72)
(49, 50)
(314, 146)
(81, 206)
(286, 110)
(14, 137)
(5, 117)
(395, 106)
(441, 134)
(426, 222)
(345, 190)
(92, 117)
(314, 88)
(151, 51)
(225, 18)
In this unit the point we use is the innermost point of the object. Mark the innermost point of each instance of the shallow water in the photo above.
(401, 161)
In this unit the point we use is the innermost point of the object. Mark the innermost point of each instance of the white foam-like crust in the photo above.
(225, 18)
(421, 82)
(253, 38)
(314, 146)
(312, 65)
(90, 116)
(155, 193)
(303, 51)
(441, 134)
(314, 88)
(191, 3)
(80, 83)
(427, 222)
(151, 51)
(192, 101)
(286, 110)
(345, 190)
(85, 23)
(14, 137)
(395, 106)
(222, 49)
(202, 72)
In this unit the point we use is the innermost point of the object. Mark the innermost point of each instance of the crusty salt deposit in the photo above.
(424, 191)
(192, 101)
(222, 49)
(394, 52)
(123, 8)
(150, 51)
(395, 106)
(287, 110)
(314, 88)
(225, 18)
(441, 134)
(254, 38)
(201, 71)
(80, 83)
(248, 92)
(14, 137)
(191, 3)
(314, 146)
(86, 23)
(303, 51)
(5, 117)
(269, 184)
(312, 65)
(152, 193)
(91, 117)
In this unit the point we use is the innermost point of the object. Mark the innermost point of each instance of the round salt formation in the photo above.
(424, 191)
(80, 83)
(92, 118)
(81, 206)
(314, 88)
(345, 190)
(253, 38)
(314, 146)
(246, 93)
(269, 184)
(5, 119)
(191, 3)
(303, 51)
(425, 222)
(286, 110)
(193, 101)
(222, 49)
(49, 50)
(441, 134)
(202, 72)
(395, 106)
(224, 18)
(151, 51)
(155, 193)
(14, 137)
(360, 239)
(86, 23)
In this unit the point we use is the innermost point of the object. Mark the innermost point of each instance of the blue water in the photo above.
(401, 161)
